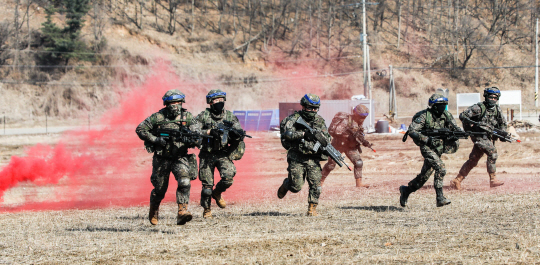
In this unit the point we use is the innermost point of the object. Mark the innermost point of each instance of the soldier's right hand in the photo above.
(160, 141)
(429, 141)
(216, 133)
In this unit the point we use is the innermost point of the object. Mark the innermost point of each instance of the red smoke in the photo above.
(109, 166)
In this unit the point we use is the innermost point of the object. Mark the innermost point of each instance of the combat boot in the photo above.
(183, 215)
(493, 181)
(360, 185)
(219, 200)
(283, 189)
(153, 214)
(312, 210)
(207, 214)
(456, 183)
(441, 200)
(405, 192)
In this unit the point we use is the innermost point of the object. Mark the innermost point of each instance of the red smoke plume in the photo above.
(109, 166)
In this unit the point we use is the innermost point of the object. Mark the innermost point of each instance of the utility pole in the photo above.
(536, 69)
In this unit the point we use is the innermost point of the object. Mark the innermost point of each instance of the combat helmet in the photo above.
(215, 93)
(360, 111)
(173, 95)
(437, 99)
(488, 91)
(310, 100)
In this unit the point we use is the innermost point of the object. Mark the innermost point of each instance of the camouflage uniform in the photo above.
(173, 157)
(347, 136)
(170, 154)
(482, 145)
(212, 157)
(304, 162)
(431, 149)
(431, 153)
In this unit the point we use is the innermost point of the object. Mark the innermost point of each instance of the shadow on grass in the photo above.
(374, 208)
(117, 230)
(267, 214)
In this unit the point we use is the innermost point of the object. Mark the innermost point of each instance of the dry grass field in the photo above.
(481, 225)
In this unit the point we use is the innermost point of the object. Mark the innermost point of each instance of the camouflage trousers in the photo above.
(353, 154)
(481, 147)
(299, 172)
(208, 162)
(161, 170)
(432, 162)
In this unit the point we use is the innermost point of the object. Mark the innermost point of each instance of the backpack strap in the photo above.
(429, 119)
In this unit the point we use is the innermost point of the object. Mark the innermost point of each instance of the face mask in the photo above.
(439, 108)
(490, 102)
(217, 108)
(308, 115)
(175, 109)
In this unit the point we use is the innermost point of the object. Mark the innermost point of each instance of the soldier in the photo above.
(489, 115)
(434, 117)
(304, 163)
(347, 136)
(218, 152)
(170, 154)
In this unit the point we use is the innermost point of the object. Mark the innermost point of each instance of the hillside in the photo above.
(262, 53)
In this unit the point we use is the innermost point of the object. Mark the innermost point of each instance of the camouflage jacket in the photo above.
(147, 131)
(346, 131)
(298, 147)
(426, 120)
(208, 121)
(480, 113)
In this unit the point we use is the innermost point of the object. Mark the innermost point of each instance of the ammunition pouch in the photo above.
(238, 152)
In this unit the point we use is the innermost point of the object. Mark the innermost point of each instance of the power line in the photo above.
(272, 80)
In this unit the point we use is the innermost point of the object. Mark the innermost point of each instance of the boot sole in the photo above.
(184, 219)
(442, 204)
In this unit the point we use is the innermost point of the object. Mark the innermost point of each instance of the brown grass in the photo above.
(482, 225)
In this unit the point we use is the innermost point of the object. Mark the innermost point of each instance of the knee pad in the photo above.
(184, 183)
(330, 166)
(442, 172)
(206, 192)
(318, 190)
(359, 163)
(493, 156)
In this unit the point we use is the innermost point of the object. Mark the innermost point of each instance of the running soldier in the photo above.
(220, 151)
(304, 162)
(489, 115)
(433, 118)
(347, 136)
(170, 154)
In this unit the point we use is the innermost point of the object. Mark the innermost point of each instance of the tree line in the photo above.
(458, 31)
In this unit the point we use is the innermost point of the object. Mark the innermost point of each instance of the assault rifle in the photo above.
(183, 135)
(446, 133)
(494, 131)
(226, 128)
(328, 149)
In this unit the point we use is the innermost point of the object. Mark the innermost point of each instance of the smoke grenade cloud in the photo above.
(107, 166)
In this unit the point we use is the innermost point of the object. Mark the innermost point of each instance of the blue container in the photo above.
(241, 115)
(252, 120)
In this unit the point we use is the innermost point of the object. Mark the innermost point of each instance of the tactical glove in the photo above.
(429, 141)
(216, 133)
(160, 141)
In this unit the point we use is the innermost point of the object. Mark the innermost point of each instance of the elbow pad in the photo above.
(288, 135)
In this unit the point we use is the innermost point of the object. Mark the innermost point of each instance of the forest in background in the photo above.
(69, 52)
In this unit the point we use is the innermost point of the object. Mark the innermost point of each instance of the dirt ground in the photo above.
(481, 225)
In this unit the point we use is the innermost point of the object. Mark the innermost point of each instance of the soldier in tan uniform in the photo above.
(347, 137)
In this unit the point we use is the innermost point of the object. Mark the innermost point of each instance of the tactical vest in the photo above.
(238, 150)
(171, 149)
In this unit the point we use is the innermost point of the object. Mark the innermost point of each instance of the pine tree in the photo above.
(63, 44)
